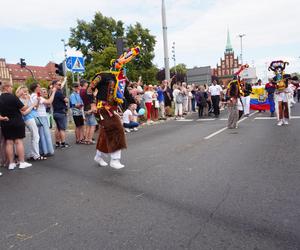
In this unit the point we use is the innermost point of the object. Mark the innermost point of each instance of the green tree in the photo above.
(100, 61)
(136, 35)
(96, 40)
(180, 69)
(30, 80)
(95, 36)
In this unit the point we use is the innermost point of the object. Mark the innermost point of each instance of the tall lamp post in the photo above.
(65, 66)
(165, 38)
(241, 37)
(174, 57)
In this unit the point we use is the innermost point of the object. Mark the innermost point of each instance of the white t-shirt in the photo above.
(175, 93)
(148, 96)
(126, 115)
(215, 89)
(41, 110)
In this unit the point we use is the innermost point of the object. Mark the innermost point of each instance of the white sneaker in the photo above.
(25, 164)
(100, 161)
(116, 164)
(127, 130)
(11, 166)
(285, 122)
(135, 129)
(0, 173)
(280, 123)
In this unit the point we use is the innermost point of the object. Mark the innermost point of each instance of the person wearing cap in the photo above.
(76, 105)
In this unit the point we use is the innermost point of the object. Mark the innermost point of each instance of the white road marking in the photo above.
(185, 120)
(212, 119)
(265, 118)
(253, 113)
(243, 119)
(223, 129)
(215, 133)
(273, 118)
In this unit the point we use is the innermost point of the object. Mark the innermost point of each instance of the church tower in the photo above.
(228, 64)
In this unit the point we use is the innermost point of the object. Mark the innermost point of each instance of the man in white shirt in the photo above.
(128, 118)
(215, 91)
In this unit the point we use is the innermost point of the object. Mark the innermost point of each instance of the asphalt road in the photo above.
(180, 189)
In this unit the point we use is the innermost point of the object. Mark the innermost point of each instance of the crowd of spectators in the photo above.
(36, 108)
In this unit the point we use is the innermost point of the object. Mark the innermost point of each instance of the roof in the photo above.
(40, 72)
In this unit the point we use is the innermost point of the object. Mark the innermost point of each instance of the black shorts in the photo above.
(13, 132)
(78, 120)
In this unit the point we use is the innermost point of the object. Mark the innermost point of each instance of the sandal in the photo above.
(81, 142)
(41, 158)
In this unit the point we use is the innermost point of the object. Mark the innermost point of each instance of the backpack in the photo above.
(179, 98)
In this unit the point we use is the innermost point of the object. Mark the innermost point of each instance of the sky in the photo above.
(33, 29)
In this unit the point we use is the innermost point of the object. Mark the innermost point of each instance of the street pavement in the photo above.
(187, 185)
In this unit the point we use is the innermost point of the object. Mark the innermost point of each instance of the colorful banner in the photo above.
(259, 100)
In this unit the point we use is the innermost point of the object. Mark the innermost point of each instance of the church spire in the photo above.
(228, 45)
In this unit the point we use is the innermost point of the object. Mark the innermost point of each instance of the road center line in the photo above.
(223, 129)
(208, 119)
(215, 133)
(185, 120)
(273, 118)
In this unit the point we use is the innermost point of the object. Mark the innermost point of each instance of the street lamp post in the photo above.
(174, 57)
(241, 37)
(65, 47)
(65, 67)
(165, 39)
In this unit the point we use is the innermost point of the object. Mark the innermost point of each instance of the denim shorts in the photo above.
(60, 120)
(90, 120)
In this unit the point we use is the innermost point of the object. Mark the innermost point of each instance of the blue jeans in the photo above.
(46, 146)
(131, 124)
(193, 105)
(90, 120)
(272, 103)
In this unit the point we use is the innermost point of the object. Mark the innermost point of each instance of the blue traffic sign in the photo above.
(75, 64)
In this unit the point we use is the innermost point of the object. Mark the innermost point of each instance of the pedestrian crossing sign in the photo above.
(75, 64)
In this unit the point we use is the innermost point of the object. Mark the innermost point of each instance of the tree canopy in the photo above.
(96, 40)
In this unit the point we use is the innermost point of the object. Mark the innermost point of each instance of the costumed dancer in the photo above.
(111, 86)
(280, 80)
(233, 96)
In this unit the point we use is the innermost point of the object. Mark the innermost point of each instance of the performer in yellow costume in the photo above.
(282, 90)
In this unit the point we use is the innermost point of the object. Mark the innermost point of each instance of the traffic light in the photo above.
(121, 44)
(59, 69)
(22, 63)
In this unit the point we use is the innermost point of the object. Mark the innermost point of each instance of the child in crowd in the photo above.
(129, 118)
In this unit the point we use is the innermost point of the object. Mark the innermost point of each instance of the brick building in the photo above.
(15, 74)
(5, 76)
(228, 65)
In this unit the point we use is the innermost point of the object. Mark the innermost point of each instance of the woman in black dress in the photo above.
(13, 128)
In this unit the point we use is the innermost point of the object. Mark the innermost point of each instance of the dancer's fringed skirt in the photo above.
(111, 135)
